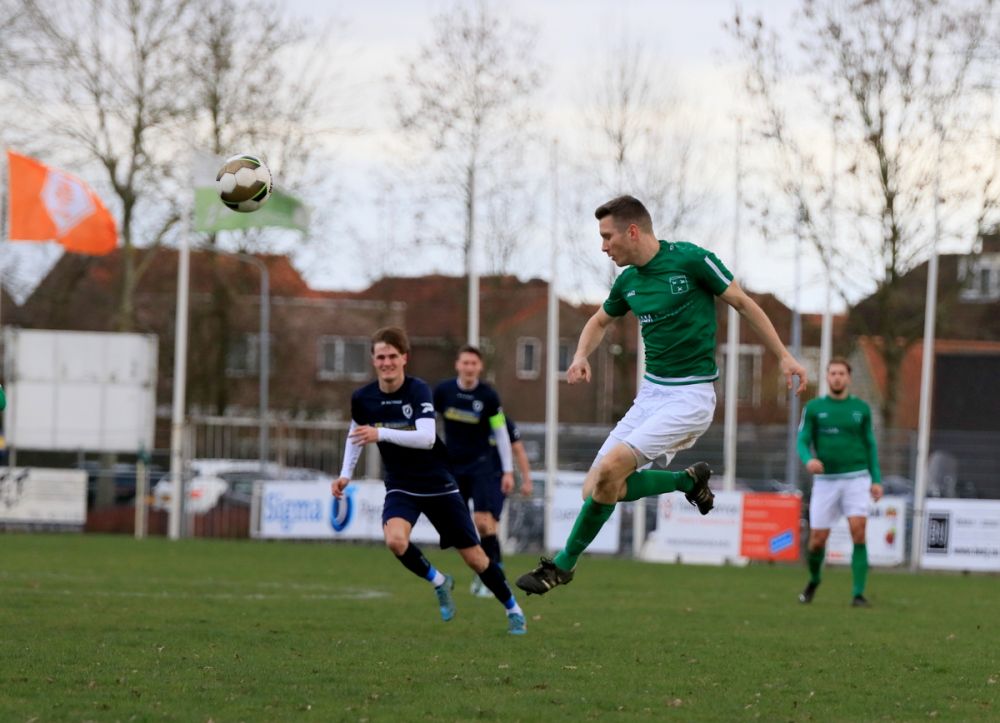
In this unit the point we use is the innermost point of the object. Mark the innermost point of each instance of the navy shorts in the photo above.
(447, 512)
(480, 482)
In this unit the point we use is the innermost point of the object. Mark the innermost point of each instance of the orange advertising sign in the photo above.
(770, 529)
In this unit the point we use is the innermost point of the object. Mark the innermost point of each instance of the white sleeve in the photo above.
(352, 452)
(420, 438)
(504, 448)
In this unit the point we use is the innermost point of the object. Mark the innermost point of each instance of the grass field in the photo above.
(108, 628)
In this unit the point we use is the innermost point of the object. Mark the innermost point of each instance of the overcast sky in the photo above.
(687, 36)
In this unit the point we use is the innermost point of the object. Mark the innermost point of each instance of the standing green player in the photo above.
(671, 289)
(837, 445)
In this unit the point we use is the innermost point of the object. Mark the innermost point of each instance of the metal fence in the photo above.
(963, 465)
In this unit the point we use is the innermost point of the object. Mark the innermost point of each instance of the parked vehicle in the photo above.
(214, 480)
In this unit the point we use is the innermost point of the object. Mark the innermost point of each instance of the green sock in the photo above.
(588, 523)
(649, 482)
(859, 568)
(815, 559)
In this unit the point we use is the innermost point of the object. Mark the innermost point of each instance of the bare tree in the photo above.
(895, 82)
(637, 138)
(465, 100)
(97, 83)
(272, 100)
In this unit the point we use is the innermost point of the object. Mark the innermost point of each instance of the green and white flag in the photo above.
(210, 215)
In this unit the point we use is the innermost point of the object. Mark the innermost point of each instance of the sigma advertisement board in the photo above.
(961, 535)
(75, 390)
(307, 510)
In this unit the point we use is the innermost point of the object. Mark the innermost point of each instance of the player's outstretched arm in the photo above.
(755, 316)
(590, 338)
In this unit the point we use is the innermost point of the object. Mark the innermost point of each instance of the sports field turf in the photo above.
(108, 628)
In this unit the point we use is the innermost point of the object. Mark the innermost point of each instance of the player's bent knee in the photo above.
(397, 544)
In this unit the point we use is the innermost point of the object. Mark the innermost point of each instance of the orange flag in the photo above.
(47, 204)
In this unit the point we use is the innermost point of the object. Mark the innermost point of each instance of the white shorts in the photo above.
(834, 495)
(662, 421)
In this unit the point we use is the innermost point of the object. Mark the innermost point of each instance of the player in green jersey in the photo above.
(671, 288)
(837, 445)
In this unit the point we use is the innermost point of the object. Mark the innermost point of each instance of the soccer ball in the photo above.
(244, 183)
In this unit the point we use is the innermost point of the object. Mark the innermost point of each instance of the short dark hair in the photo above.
(469, 349)
(626, 210)
(838, 360)
(394, 336)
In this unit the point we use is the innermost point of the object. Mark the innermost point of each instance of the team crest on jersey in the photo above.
(857, 417)
(407, 411)
(678, 284)
(477, 405)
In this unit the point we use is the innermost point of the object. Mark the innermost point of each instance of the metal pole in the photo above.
(265, 365)
(552, 337)
(791, 458)
(471, 267)
(180, 383)
(826, 331)
(552, 357)
(927, 373)
(733, 337)
(264, 353)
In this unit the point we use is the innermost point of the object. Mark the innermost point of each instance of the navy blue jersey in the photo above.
(467, 431)
(406, 468)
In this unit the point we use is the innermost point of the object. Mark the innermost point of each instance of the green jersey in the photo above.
(840, 432)
(673, 297)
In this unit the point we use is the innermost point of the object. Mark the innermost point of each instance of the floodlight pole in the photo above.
(927, 372)
(733, 336)
(264, 352)
(471, 267)
(552, 356)
(180, 382)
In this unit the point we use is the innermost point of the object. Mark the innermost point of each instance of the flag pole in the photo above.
(180, 381)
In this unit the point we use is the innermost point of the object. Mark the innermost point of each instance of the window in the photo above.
(566, 349)
(980, 278)
(343, 357)
(529, 358)
(243, 356)
(749, 371)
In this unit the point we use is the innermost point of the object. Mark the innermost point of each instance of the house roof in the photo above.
(160, 274)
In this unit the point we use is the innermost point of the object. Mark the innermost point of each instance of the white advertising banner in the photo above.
(961, 535)
(885, 535)
(307, 510)
(684, 535)
(31, 495)
(566, 503)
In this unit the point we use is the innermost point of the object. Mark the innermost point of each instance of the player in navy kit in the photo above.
(397, 413)
(475, 432)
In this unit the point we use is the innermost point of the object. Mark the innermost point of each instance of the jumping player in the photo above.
(671, 288)
(396, 412)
